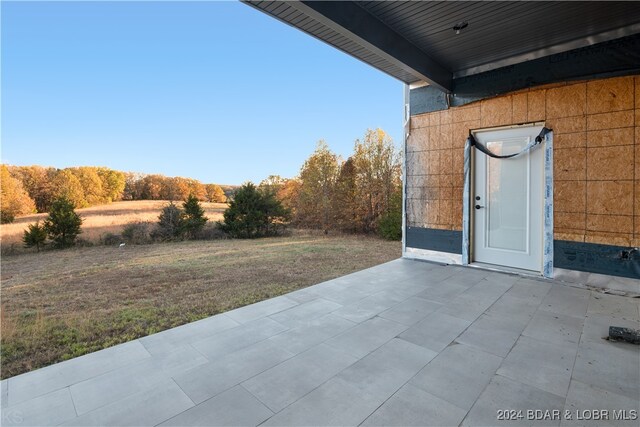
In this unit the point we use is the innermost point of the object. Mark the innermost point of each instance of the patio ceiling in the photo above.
(415, 41)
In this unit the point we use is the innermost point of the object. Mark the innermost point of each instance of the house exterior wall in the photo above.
(596, 159)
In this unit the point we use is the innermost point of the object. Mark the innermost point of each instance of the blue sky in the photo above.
(216, 91)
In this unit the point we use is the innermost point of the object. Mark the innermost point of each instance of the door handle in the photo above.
(479, 207)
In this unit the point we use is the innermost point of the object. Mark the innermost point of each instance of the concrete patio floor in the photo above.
(403, 343)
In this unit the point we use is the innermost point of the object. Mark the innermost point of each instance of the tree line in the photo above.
(30, 189)
(361, 194)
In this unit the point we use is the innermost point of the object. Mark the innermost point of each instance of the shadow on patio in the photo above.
(403, 343)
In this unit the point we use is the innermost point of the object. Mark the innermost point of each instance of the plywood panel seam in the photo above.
(601, 180)
(634, 225)
(603, 146)
(610, 128)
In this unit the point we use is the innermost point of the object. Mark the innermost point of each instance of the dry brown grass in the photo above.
(61, 304)
(100, 220)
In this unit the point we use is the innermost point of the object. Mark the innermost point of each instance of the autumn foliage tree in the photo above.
(317, 185)
(113, 183)
(351, 195)
(288, 193)
(36, 180)
(285, 190)
(215, 193)
(377, 165)
(37, 187)
(90, 184)
(272, 183)
(345, 211)
(14, 199)
(85, 185)
(66, 185)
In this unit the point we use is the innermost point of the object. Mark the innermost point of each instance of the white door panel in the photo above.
(507, 205)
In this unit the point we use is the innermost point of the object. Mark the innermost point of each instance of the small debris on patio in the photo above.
(619, 333)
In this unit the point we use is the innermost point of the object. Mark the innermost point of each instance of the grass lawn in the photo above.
(61, 304)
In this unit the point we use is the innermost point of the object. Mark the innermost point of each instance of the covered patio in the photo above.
(413, 342)
(403, 343)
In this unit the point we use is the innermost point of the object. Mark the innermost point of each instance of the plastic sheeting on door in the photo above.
(547, 251)
(547, 254)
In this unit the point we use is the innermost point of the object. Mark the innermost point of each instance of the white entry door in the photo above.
(507, 201)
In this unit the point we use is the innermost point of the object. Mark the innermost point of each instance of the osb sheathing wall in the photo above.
(596, 157)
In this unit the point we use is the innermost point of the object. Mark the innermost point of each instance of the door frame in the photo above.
(547, 226)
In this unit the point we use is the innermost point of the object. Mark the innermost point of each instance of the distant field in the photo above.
(62, 304)
(99, 220)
